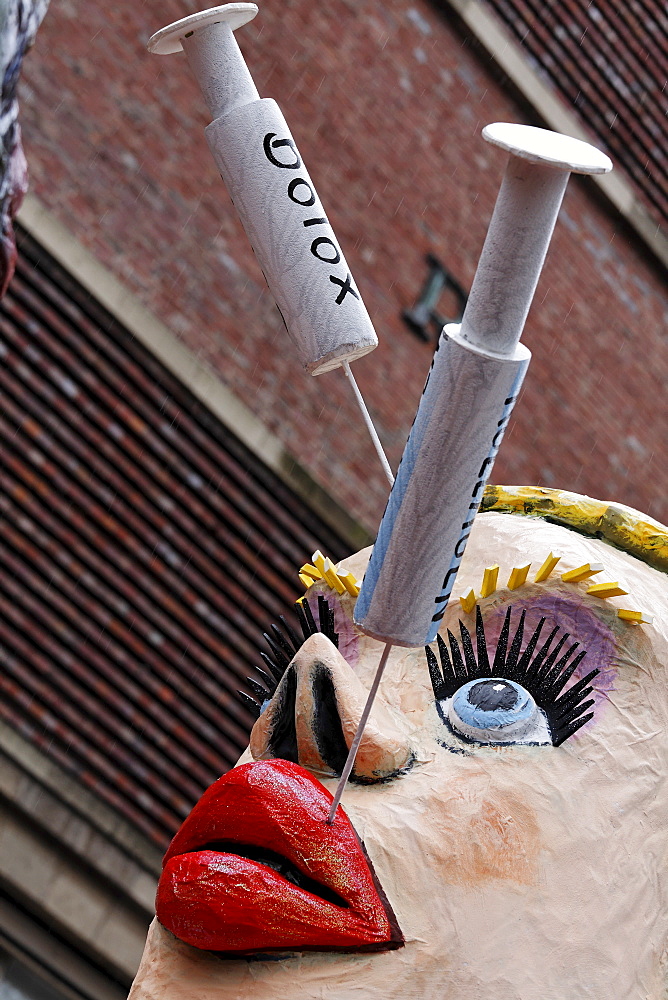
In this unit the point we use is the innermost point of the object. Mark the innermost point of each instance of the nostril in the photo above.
(283, 733)
(275, 733)
(327, 727)
(314, 713)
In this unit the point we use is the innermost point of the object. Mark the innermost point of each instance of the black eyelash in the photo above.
(284, 644)
(544, 673)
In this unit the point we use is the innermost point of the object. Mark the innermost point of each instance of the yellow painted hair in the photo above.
(623, 527)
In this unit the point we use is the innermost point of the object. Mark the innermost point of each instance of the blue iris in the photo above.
(493, 705)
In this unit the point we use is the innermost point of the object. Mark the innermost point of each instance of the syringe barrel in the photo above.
(293, 241)
(457, 430)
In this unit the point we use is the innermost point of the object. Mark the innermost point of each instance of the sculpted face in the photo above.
(516, 869)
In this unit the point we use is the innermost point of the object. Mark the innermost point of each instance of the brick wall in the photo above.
(386, 100)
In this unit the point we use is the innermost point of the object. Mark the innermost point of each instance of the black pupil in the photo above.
(492, 695)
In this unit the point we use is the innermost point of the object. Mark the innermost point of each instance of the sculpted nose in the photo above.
(312, 718)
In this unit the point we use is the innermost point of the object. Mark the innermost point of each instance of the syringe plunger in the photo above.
(218, 66)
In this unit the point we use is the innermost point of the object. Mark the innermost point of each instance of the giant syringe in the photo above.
(276, 199)
(474, 380)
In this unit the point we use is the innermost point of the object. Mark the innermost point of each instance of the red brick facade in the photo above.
(387, 100)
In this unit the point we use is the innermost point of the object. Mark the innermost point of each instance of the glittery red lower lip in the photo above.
(220, 901)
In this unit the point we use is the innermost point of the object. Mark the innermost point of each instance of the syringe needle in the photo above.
(369, 423)
(352, 753)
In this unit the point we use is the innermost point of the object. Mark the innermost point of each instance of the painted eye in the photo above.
(497, 710)
(522, 695)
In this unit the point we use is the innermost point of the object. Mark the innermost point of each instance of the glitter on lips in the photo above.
(255, 868)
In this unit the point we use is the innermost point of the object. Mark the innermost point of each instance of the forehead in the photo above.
(511, 540)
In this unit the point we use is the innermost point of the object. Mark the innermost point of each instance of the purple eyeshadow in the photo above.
(570, 615)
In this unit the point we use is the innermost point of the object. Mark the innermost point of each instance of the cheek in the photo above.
(478, 833)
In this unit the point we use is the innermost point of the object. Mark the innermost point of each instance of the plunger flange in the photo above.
(169, 38)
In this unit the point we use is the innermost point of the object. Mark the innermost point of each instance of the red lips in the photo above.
(220, 888)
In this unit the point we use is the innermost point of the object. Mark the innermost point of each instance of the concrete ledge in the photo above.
(71, 863)
(59, 889)
(51, 960)
(52, 798)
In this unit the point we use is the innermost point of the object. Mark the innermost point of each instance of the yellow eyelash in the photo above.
(581, 573)
(311, 571)
(323, 569)
(606, 590)
(547, 567)
(332, 579)
(319, 562)
(468, 600)
(637, 617)
(519, 574)
(489, 580)
(350, 583)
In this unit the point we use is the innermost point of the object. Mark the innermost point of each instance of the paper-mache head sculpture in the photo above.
(504, 833)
